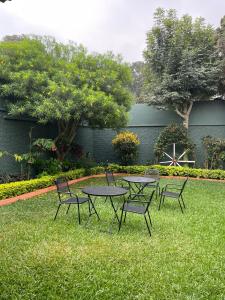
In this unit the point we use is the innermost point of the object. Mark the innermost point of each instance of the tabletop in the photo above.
(139, 179)
(104, 191)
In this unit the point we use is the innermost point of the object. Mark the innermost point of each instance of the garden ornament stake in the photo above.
(175, 161)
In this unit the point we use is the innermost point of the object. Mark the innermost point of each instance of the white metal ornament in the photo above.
(175, 161)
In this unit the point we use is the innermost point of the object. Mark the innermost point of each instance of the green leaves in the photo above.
(181, 62)
(53, 82)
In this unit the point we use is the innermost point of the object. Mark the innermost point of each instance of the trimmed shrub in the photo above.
(174, 133)
(126, 145)
(18, 188)
(170, 171)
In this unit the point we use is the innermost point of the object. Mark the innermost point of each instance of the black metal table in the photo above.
(104, 191)
(140, 182)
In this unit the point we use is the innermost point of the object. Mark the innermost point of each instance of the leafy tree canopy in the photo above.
(181, 62)
(51, 81)
(138, 81)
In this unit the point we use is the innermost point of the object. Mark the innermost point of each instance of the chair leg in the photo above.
(149, 218)
(93, 207)
(180, 206)
(160, 202)
(183, 201)
(89, 208)
(147, 226)
(125, 215)
(57, 211)
(78, 211)
(68, 209)
(121, 218)
(106, 198)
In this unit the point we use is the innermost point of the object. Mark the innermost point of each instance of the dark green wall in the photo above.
(14, 138)
(207, 118)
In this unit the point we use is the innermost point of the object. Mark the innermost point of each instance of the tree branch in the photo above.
(180, 114)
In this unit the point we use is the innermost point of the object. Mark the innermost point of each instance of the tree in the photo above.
(53, 82)
(138, 81)
(181, 62)
(220, 37)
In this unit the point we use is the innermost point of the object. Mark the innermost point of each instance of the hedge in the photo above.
(12, 189)
(170, 171)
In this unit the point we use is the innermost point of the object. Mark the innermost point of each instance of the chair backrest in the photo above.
(150, 200)
(62, 185)
(153, 173)
(110, 177)
(183, 186)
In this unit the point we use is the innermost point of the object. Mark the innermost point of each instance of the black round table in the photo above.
(140, 183)
(104, 191)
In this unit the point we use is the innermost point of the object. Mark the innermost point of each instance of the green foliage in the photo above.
(44, 144)
(182, 65)
(126, 145)
(215, 152)
(174, 133)
(49, 166)
(138, 81)
(53, 82)
(170, 171)
(220, 38)
(85, 162)
(17, 188)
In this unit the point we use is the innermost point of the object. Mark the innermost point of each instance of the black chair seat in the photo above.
(75, 200)
(168, 191)
(135, 209)
(170, 194)
(138, 207)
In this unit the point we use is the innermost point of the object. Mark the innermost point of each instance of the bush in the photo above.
(17, 188)
(126, 145)
(174, 133)
(170, 171)
(215, 152)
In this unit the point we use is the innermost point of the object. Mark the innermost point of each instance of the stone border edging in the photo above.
(53, 188)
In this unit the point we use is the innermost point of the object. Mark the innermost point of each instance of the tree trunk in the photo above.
(66, 135)
(185, 114)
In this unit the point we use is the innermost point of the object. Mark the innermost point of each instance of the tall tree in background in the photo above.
(138, 81)
(63, 84)
(181, 62)
(220, 35)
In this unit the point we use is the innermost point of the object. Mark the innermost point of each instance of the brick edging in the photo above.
(52, 188)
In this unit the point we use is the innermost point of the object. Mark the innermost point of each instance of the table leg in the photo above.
(139, 191)
(115, 210)
(92, 208)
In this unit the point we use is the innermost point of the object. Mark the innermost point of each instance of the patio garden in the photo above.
(184, 259)
(62, 89)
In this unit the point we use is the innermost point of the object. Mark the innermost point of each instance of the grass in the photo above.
(184, 258)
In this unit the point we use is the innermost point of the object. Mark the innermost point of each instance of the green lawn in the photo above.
(184, 259)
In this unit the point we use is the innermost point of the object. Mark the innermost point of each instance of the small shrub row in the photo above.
(12, 189)
(170, 171)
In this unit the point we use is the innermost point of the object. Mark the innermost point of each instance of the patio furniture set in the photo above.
(136, 202)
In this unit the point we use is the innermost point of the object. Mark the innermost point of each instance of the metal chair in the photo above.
(111, 180)
(175, 191)
(137, 206)
(64, 190)
(153, 173)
